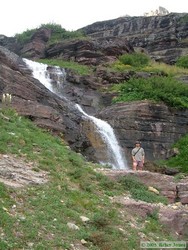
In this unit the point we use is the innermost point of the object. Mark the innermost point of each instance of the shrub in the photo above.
(58, 33)
(165, 89)
(139, 191)
(25, 36)
(182, 62)
(181, 159)
(135, 59)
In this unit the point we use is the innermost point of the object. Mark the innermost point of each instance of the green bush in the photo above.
(135, 59)
(25, 36)
(165, 89)
(139, 191)
(56, 28)
(181, 159)
(182, 62)
(58, 33)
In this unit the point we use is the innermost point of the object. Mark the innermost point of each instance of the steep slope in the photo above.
(30, 98)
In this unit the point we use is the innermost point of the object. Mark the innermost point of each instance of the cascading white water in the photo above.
(42, 73)
(107, 133)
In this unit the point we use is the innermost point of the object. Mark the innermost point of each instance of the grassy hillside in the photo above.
(36, 216)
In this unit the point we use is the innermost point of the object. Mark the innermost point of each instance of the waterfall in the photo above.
(52, 78)
(117, 159)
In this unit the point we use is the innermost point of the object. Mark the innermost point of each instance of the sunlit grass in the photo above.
(78, 68)
(152, 67)
(159, 89)
(170, 70)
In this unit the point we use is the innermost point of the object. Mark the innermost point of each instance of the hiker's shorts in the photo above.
(138, 164)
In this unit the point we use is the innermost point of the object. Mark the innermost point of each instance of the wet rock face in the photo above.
(155, 125)
(99, 146)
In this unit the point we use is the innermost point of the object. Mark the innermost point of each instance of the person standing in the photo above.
(138, 156)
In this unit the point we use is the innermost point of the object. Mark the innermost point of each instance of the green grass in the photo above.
(151, 66)
(154, 228)
(165, 69)
(78, 68)
(57, 34)
(139, 191)
(180, 161)
(136, 60)
(36, 216)
(182, 62)
(159, 89)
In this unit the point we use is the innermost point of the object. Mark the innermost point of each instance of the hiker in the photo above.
(138, 156)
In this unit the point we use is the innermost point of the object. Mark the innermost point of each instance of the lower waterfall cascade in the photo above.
(118, 161)
(43, 73)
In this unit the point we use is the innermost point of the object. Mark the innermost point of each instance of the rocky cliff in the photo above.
(31, 99)
(156, 125)
(163, 37)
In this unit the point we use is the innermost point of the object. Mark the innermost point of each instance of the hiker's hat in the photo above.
(137, 142)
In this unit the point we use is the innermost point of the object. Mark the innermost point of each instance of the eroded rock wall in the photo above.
(164, 37)
(155, 125)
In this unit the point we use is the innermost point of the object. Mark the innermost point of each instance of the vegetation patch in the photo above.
(180, 161)
(57, 33)
(25, 36)
(78, 68)
(138, 60)
(139, 191)
(182, 62)
(159, 89)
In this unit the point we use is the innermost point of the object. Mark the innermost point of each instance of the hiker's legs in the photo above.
(134, 165)
(140, 165)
